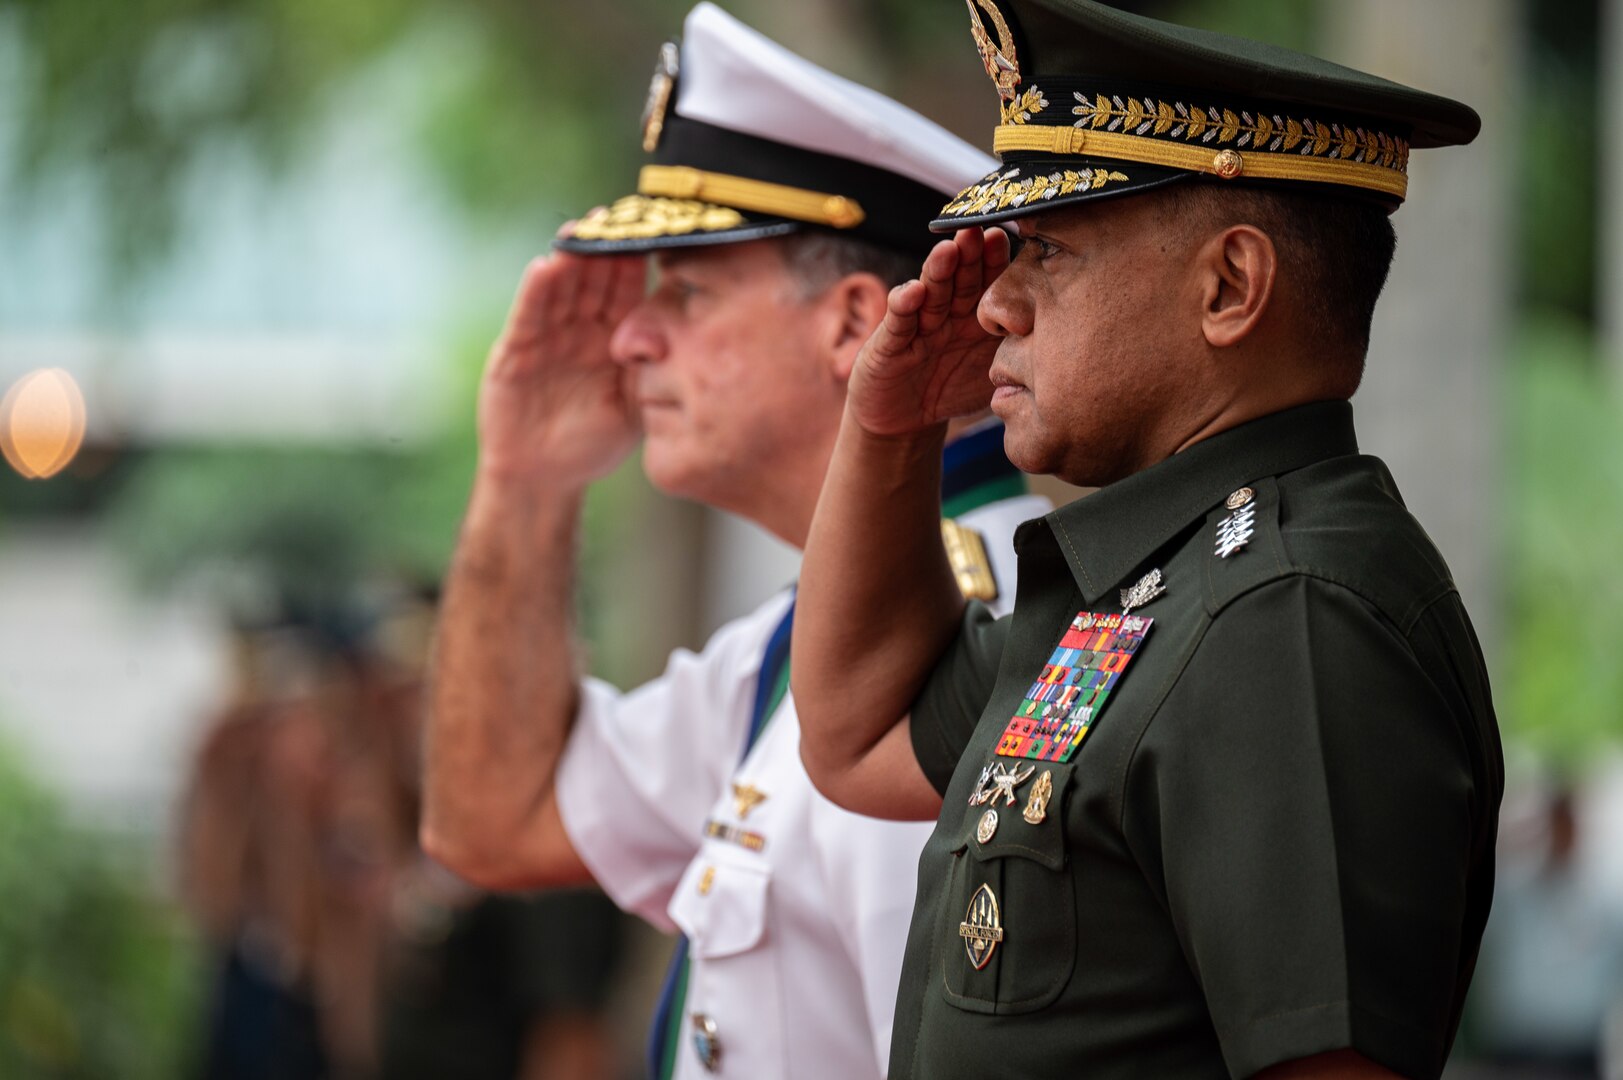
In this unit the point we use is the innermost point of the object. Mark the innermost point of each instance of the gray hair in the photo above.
(818, 259)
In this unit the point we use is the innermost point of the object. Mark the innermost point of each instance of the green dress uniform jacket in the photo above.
(1276, 839)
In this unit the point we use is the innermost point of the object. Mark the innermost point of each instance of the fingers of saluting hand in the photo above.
(969, 279)
(596, 283)
(529, 311)
(901, 323)
(995, 258)
(627, 282)
(939, 276)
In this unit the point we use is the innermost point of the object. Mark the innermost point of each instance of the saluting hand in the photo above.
(553, 405)
(927, 361)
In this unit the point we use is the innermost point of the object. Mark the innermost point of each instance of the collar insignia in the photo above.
(747, 797)
(1001, 60)
(659, 96)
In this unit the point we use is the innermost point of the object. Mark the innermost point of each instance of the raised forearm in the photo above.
(878, 602)
(504, 685)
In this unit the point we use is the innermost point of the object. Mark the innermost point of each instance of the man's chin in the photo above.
(1023, 444)
(667, 469)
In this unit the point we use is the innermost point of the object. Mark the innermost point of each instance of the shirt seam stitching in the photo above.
(1404, 623)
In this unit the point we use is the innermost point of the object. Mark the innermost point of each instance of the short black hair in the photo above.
(1338, 251)
(819, 259)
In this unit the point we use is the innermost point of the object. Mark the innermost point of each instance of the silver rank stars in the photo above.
(1234, 531)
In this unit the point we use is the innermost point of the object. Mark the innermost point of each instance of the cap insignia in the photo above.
(1009, 189)
(1001, 60)
(638, 217)
(659, 96)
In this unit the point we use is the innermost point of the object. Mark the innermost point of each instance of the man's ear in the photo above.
(1238, 267)
(850, 310)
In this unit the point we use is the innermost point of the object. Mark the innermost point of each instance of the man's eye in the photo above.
(1042, 248)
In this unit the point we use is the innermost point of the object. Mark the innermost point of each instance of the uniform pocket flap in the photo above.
(721, 907)
(1032, 827)
(1043, 844)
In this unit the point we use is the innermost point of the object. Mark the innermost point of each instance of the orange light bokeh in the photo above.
(42, 423)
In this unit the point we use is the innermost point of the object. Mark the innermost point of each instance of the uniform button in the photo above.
(706, 880)
(1228, 164)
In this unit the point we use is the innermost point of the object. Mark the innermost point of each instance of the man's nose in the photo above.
(637, 340)
(1004, 310)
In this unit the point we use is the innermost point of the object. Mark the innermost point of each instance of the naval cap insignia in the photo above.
(659, 96)
(1000, 58)
(982, 929)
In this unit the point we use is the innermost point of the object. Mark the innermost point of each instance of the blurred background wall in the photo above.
(269, 242)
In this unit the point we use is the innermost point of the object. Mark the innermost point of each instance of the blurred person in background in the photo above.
(342, 952)
(781, 205)
(249, 866)
(477, 986)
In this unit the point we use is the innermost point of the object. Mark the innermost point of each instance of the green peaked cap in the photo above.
(1098, 102)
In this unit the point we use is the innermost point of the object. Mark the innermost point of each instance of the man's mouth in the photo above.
(1004, 385)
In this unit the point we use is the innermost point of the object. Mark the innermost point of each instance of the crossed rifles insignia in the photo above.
(999, 779)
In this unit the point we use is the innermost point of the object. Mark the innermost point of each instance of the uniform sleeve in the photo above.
(870, 869)
(1304, 796)
(642, 769)
(946, 711)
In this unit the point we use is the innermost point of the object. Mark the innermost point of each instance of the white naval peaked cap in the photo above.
(750, 140)
(735, 77)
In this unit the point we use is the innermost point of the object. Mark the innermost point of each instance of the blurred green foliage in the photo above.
(309, 529)
(1560, 683)
(129, 96)
(96, 977)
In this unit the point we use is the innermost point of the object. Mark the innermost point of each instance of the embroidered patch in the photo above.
(1060, 707)
(1003, 190)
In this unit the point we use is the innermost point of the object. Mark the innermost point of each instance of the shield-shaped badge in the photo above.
(981, 928)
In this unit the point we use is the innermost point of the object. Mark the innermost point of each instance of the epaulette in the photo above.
(966, 552)
(1244, 549)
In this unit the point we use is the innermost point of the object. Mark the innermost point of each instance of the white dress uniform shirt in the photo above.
(796, 911)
